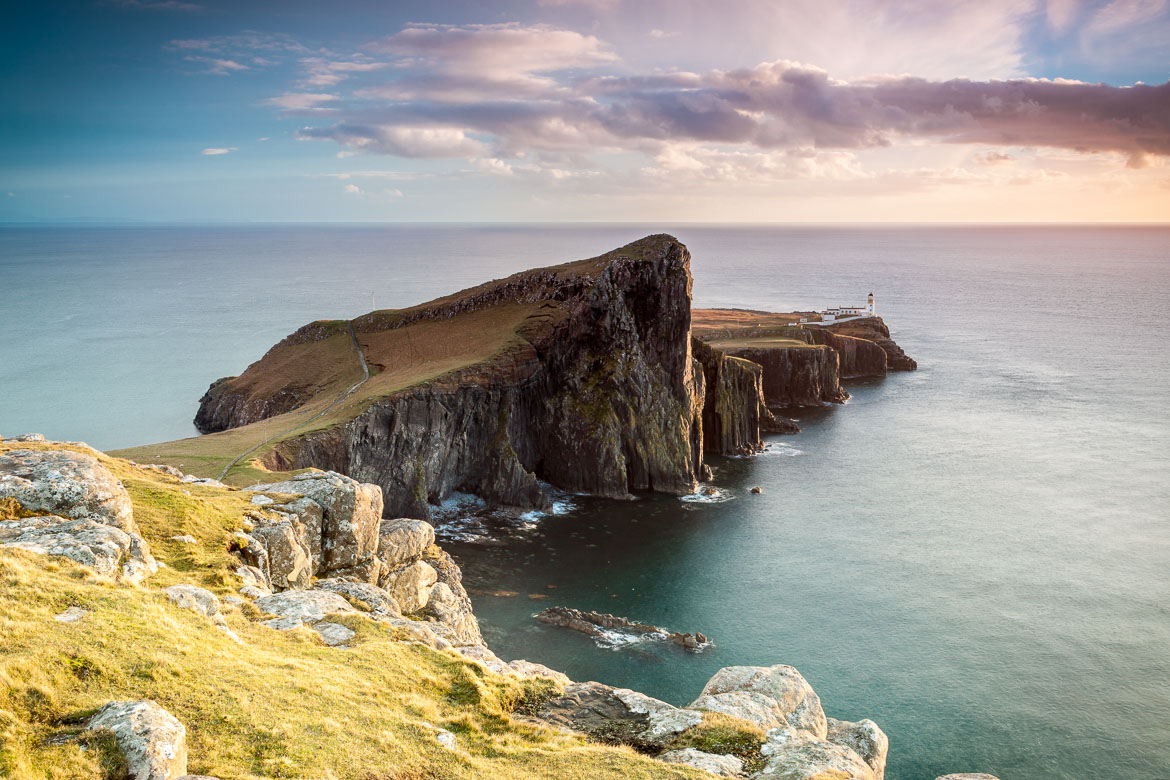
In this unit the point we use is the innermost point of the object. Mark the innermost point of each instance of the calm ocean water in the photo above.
(975, 555)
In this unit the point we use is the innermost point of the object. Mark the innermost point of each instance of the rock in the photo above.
(284, 624)
(403, 539)
(748, 705)
(235, 601)
(194, 598)
(221, 624)
(253, 592)
(185, 539)
(617, 715)
(446, 739)
(795, 700)
(333, 634)
(595, 623)
(757, 490)
(71, 615)
(453, 609)
(261, 500)
(162, 467)
(418, 631)
(255, 555)
(410, 585)
(796, 754)
(351, 514)
(74, 485)
(377, 599)
(191, 479)
(865, 739)
(28, 437)
(152, 740)
(312, 517)
(287, 553)
(519, 668)
(253, 576)
(724, 766)
(100, 547)
(308, 605)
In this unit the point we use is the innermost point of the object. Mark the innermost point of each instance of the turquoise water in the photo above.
(975, 555)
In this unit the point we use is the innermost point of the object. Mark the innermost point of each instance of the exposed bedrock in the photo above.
(874, 329)
(604, 398)
(733, 405)
(797, 376)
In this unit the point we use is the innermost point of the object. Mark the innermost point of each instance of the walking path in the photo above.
(365, 375)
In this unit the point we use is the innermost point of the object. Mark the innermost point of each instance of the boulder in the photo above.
(798, 754)
(333, 634)
(153, 741)
(525, 670)
(410, 585)
(194, 598)
(284, 624)
(418, 631)
(403, 539)
(795, 700)
(312, 517)
(452, 608)
(865, 739)
(528, 670)
(71, 615)
(748, 705)
(250, 575)
(103, 548)
(378, 600)
(351, 514)
(617, 715)
(287, 553)
(74, 485)
(724, 766)
(308, 605)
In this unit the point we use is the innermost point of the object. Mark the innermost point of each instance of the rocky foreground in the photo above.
(314, 554)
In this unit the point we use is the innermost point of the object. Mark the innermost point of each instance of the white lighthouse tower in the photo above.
(872, 311)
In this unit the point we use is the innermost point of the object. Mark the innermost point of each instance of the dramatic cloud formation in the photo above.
(507, 91)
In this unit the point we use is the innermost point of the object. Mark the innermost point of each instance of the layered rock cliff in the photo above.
(589, 386)
(796, 376)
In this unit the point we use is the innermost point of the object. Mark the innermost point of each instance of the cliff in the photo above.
(579, 375)
(731, 421)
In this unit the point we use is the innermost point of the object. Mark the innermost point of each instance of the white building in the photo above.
(837, 313)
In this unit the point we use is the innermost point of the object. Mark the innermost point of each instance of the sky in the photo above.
(586, 110)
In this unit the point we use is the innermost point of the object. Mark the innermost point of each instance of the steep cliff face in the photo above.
(592, 388)
(859, 357)
(733, 409)
(874, 329)
(796, 376)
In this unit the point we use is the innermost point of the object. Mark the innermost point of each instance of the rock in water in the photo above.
(153, 741)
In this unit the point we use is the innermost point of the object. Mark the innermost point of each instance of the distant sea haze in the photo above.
(975, 555)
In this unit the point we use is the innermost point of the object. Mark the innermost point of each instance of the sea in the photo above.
(975, 555)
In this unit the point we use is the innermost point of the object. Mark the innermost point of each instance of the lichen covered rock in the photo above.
(152, 740)
(794, 699)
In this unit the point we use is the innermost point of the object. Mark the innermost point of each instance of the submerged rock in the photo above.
(152, 740)
(596, 623)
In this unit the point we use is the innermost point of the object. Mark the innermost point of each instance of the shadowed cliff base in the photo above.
(582, 377)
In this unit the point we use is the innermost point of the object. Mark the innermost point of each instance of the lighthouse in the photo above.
(872, 310)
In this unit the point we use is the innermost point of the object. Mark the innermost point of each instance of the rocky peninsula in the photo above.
(308, 584)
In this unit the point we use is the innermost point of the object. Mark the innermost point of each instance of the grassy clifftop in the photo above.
(279, 705)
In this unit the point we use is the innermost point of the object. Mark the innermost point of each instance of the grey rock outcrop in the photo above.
(723, 766)
(103, 548)
(194, 598)
(792, 699)
(410, 585)
(351, 513)
(152, 740)
(308, 605)
(378, 600)
(796, 754)
(617, 715)
(74, 485)
(403, 539)
(865, 739)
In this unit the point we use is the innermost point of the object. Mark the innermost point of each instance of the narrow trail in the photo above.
(365, 376)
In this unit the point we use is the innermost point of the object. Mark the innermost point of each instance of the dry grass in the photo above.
(281, 705)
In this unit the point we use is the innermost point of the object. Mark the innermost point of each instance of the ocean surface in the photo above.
(975, 555)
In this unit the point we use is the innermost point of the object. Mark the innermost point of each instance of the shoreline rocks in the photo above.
(596, 623)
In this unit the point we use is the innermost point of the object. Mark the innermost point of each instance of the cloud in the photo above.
(353, 189)
(218, 66)
(226, 54)
(656, 33)
(300, 101)
(214, 151)
(425, 142)
(993, 158)
(1060, 14)
(324, 72)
